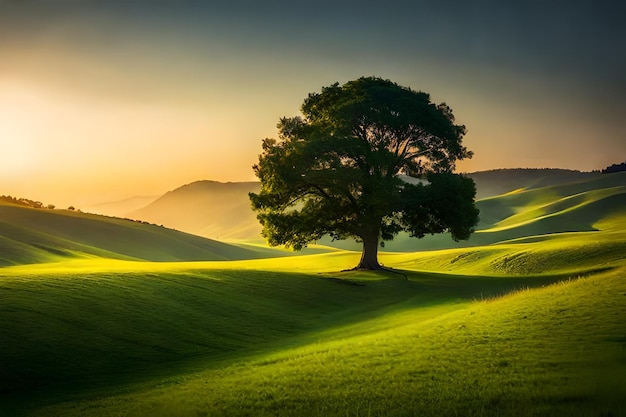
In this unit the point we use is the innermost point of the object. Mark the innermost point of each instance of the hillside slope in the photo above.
(207, 208)
(501, 181)
(222, 210)
(580, 206)
(587, 203)
(253, 338)
(120, 208)
(29, 235)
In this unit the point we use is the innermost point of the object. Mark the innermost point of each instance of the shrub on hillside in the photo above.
(615, 168)
(22, 201)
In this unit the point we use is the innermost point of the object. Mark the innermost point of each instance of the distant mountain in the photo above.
(119, 208)
(222, 211)
(34, 235)
(212, 209)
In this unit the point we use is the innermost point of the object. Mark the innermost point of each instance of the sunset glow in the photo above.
(102, 100)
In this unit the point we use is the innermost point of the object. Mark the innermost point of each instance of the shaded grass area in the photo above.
(74, 330)
(557, 350)
(504, 329)
(31, 235)
(78, 326)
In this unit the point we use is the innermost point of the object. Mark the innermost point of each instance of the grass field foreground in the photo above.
(557, 350)
(530, 326)
(257, 337)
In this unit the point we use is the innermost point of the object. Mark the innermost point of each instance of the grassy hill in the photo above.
(575, 202)
(486, 335)
(510, 201)
(501, 181)
(29, 235)
(528, 323)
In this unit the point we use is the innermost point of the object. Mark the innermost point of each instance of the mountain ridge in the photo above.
(230, 217)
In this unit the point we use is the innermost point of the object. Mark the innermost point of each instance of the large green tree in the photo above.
(336, 170)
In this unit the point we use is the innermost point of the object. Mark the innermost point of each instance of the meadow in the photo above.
(529, 325)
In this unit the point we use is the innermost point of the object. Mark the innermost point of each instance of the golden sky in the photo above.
(106, 100)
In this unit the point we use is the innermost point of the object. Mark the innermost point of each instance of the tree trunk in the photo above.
(369, 256)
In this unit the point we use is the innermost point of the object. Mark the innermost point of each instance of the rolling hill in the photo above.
(501, 181)
(514, 203)
(31, 235)
(459, 336)
(528, 322)
(583, 205)
(207, 208)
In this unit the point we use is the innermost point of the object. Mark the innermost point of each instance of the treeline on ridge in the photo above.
(25, 202)
(615, 168)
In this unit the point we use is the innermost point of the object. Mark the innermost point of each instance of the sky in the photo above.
(104, 100)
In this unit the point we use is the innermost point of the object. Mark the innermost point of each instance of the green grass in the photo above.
(30, 235)
(570, 207)
(546, 254)
(428, 346)
(530, 326)
(112, 337)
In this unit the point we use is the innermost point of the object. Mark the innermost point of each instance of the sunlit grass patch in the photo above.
(614, 223)
(101, 324)
(499, 329)
(545, 254)
(323, 262)
(557, 350)
(43, 235)
(556, 206)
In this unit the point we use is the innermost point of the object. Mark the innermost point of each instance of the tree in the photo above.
(615, 168)
(336, 170)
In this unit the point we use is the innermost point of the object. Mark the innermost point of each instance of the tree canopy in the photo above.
(615, 168)
(336, 169)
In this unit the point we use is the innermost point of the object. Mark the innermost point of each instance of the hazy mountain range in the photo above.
(212, 209)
